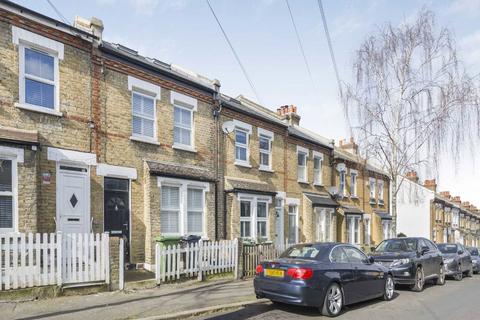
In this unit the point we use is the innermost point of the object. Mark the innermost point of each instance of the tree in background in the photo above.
(410, 99)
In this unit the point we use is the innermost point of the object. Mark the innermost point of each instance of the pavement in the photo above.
(455, 300)
(164, 302)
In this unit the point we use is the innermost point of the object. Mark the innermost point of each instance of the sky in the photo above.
(185, 33)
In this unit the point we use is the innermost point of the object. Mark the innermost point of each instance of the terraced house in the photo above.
(95, 137)
(362, 191)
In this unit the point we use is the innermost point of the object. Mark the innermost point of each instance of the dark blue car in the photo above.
(323, 275)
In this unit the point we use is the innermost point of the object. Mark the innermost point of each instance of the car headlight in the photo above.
(448, 261)
(399, 262)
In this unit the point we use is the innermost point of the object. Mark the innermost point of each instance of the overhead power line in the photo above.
(329, 41)
(58, 12)
(300, 44)
(235, 53)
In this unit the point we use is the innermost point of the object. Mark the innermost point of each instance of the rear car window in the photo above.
(301, 252)
(447, 248)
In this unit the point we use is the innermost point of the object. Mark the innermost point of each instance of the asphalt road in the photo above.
(455, 300)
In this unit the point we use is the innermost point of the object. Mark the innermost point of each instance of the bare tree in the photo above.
(411, 98)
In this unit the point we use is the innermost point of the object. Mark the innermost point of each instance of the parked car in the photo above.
(475, 259)
(412, 261)
(457, 260)
(323, 275)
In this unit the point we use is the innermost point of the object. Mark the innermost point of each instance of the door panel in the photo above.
(73, 203)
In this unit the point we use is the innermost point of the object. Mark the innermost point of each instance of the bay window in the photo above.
(368, 232)
(386, 228)
(7, 194)
(182, 206)
(292, 224)
(254, 217)
(325, 223)
(353, 229)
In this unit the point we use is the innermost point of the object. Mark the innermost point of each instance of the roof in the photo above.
(248, 109)
(248, 186)
(339, 153)
(321, 200)
(170, 169)
(352, 210)
(310, 136)
(51, 22)
(170, 70)
(383, 215)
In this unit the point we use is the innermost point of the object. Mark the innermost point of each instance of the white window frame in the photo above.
(325, 224)
(380, 186)
(15, 155)
(26, 39)
(317, 173)
(353, 183)
(247, 129)
(295, 203)
(351, 229)
(183, 186)
(367, 229)
(372, 184)
(387, 229)
(265, 134)
(148, 90)
(190, 104)
(305, 152)
(253, 219)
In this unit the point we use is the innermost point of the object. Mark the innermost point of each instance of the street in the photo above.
(456, 300)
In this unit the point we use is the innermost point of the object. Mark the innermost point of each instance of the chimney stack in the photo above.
(430, 184)
(445, 194)
(93, 26)
(289, 114)
(457, 200)
(412, 176)
(349, 146)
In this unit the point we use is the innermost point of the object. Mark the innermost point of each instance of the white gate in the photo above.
(52, 259)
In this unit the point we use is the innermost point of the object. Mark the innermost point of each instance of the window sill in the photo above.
(243, 164)
(144, 140)
(266, 169)
(354, 197)
(303, 181)
(184, 148)
(316, 184)
(31, 107)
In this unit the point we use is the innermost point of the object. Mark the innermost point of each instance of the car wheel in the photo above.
(459, 276)
(333, 303)
(470, 272)
(419, 280)
(441, 276)
(389, 288)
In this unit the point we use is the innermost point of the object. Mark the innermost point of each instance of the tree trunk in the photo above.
(394, 204)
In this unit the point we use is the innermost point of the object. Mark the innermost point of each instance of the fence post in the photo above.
(59, 259)
(157, 264)
(239, 260)
(200, 260)
(121, 266)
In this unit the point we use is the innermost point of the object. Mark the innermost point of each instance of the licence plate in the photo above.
(275, 273)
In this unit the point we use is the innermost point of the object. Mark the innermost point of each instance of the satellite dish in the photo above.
(228, 127)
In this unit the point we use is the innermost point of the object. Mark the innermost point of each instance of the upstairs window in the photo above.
(342, 184)
(372, 190)
(265, 139)
(302, 155)
(380, 185)
(184, 108)
(353, 183)
(241, 145)
(144, 112)
(317, 168)
(143, 115)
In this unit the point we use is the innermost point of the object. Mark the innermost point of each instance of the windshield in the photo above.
(309, 252)
(397, 245)
(473, 251)
(447, 248)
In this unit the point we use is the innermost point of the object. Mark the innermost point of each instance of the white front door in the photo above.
(73, 199)
(279, 226)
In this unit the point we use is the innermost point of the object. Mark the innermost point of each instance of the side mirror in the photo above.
(371, 259)
(460, 251)
(424, 250)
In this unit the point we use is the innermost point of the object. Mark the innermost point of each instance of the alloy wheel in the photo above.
(389, 288)
(334, 300)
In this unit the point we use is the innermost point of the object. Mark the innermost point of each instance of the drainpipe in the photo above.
(216, 116)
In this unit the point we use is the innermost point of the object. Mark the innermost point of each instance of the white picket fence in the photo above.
(195, 260)
(52, 259)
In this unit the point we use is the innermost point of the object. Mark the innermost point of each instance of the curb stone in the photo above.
(206, 310)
